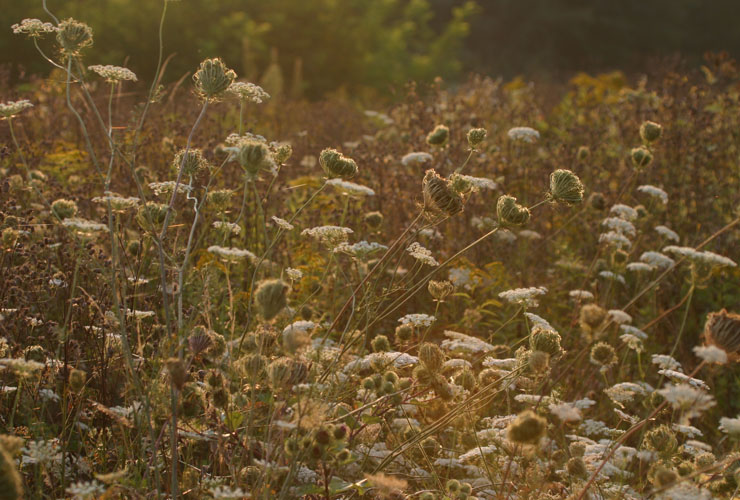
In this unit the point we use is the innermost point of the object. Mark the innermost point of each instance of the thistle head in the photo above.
(511, 213)
(335, 164)
(566, 187)
(438, 136)
(73, 36)
(212, 79)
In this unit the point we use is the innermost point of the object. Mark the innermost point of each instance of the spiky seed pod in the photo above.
(11, 486)
(339, 432)
(566, 187)
(213, 79)
(577, 449)
(271, 297)
(583, 153)
(191, 160)
(391, 377)
(77, 379)
(177, 371)
(705, 459)
(511, 213)
(650, 131)
(641, 157)
(368, 384)
(335, 164)
(438, 136)
(576, 467)
(685, 468)
(538, 361)
(545, 340)
(722, 330)
(217, 347)
(476, 136)
(215, 378)
(373, 220)
(603, 354)
(254, 156)
(527, 428)
(440, 289)
(73, 36)
(404, 333)
(597, 201)
(432, 356)
(439, 197)
(64, 209)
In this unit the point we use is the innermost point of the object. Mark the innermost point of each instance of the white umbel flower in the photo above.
(523, 134)
(711, 354)
(523, 296)
(113, 74)
(655, 192)
(10, 108)
(624, 211)
(416, 158)
(422, 254)
(348, 187)
(730, 426)
(231, 254)
(667, 233)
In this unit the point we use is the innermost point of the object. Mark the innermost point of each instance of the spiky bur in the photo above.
(335, 164)
(641, 157)
(476, 136)
(11, 486)
(650, 131)
(722, 330)
(73, 36)
(64, 209)
(212, 79)
(254, 156)
(511, 213)
(271, 297)
(440, 289)
(565, 187)
(194, 162)
(439, 136)
(527, 428)
(439, 196)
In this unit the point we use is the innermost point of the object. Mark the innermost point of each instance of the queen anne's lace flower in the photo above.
(456, 341)
(231, 254)
(523, 134)
(656, 259)
(730, 426)
(248, 92)
(417, 320)
(350, 187)
(667, 233)
(33, 28)
(624, 211)
(655, 192)
(581, 295)
(113, 74)
(422, 254)
(10, 108)
(417, 158)
(523, 296)
(711, 354)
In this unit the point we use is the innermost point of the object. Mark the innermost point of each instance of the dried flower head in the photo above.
(650, 131)
(254, 156)
(641, 157)
(440, 289)
(335, 164)
(722, 330)
(113, 74)
(439, 197)
(191, 161)
(212, 79)
(527, 428)
(603, 355)
(64, 209)
(476, 136)
(511, 213)
(271, 297)
(73, 36)
(566, 187)
(438, 136)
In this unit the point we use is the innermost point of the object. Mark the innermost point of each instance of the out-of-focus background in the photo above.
(311, 48)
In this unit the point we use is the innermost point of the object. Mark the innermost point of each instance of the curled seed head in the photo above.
(566, 187)
(527, 428)
(439, 196)
(650, 131)
(212, 79)
(511, 213)
(438, 136)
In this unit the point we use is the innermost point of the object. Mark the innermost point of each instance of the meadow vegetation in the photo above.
(473, 293)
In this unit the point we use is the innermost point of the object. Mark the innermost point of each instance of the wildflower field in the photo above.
(491, 291)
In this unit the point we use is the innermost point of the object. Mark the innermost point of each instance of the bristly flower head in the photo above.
(212, 79)
(335, 164)
(11, 108)
(113, 74)
(439, 196)
(566, 187)
(33, 28)
(73, 36)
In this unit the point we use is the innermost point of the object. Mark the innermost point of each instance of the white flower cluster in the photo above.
(361, 249)
(167, 187)
(416, 158)
(33, 27)
(422, 254)
(331, 235)
(581, 295)
(711, 354)
(117, 202)
(229, 227)
(624, 211)
(656, 259)
(612, 276)
(460, 342)
(525, 297)
(523, 134)
(84, 490)
(249, 92)
(10, 108)
(417, 320)
(84, 225)
(701, 257)
(231, 254)
(294, 274)
(667, 233)
(282, 223)
(113, 74)
(350, 187)
(654, 191)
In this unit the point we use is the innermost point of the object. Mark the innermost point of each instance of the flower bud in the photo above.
(603, 354)
(64, 209)
(373, 220)
(583, 153)
(545, 340)
(576, 467)
(77, 379)
(381, 344)
(439, 195)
